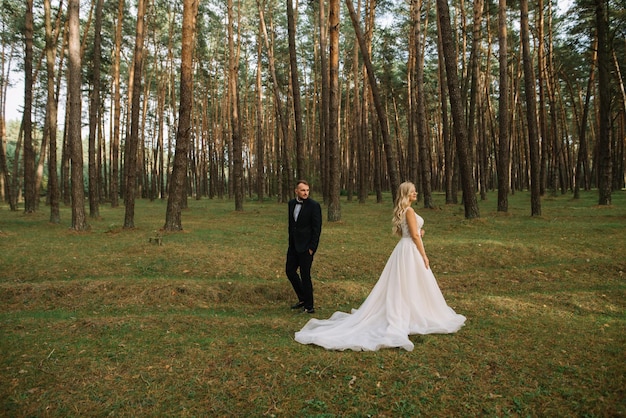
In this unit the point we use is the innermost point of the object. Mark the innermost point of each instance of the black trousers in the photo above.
(301, 283)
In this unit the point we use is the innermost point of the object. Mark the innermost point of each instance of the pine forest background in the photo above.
(238, 99)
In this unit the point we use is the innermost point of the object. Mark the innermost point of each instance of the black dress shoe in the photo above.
(298, 305)
(309, 310)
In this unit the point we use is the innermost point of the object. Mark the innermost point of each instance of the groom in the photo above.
(305, 227)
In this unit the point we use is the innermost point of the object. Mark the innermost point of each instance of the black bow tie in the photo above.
(298, 202)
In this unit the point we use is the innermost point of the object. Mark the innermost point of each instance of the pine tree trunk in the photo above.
(114, 191)
(504, 159)
(259, 131)
(282, 161)
(173, 221)
(360, 136)
(334, 205)
(460, 128)
(132, 140)
(446, 137)
(618, 146)
(604, 116)
(474, 82)
(5, 179)
(30, 204)
(425, 161)
(301, 166)
(412, 94)
(531, 114)
(233, 76)
(66, 192)
(390, 151)
(543, 135)
(50, 124)
(94, 110)
(5, 182)
(324, 104)
(79, 221)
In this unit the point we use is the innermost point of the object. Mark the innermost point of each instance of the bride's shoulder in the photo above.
(408, 213)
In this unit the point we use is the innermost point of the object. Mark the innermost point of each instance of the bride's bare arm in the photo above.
(415, 234)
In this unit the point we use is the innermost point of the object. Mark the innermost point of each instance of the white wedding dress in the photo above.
(406, 300)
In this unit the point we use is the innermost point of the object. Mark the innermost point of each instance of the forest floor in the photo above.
(108, 323)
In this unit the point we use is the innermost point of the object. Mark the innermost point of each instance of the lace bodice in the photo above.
(405, 225)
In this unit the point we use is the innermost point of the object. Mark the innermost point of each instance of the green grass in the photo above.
(105, 323)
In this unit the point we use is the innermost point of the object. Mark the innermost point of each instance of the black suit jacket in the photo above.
(304, 234)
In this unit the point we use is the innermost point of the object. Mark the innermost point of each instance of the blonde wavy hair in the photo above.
(402, 203)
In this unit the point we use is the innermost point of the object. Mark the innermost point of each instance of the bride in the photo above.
(406, 299)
